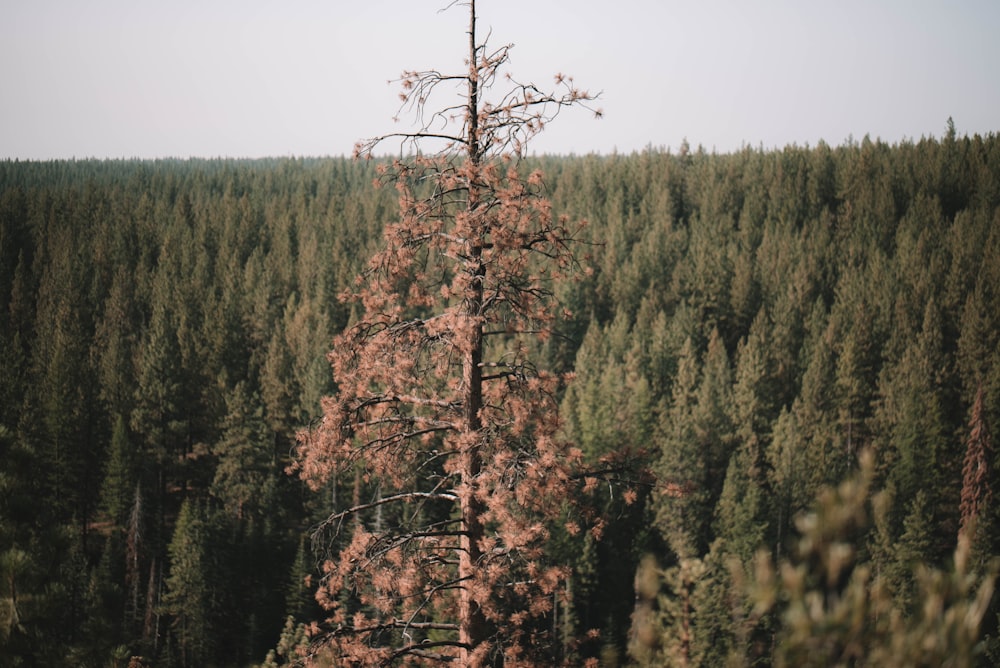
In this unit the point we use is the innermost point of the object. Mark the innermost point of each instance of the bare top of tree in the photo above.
(474, 125)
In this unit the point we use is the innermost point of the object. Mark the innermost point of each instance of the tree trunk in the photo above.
(472, 623)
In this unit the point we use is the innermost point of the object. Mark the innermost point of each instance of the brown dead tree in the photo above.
(439, 410)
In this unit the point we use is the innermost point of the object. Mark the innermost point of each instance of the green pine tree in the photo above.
(189, 590)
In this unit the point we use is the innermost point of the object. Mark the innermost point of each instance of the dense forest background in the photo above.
(753, 322)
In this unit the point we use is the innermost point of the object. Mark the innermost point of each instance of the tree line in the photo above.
(757, 324)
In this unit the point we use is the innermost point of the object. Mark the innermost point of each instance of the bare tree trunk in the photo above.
(472, 624)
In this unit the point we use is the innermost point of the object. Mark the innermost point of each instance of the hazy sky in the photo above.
(252, 78)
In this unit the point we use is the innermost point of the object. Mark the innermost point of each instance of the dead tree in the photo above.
(440, 411)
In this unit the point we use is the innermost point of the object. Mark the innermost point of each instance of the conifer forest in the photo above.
(475, 406)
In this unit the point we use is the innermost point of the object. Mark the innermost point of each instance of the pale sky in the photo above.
(256, 78)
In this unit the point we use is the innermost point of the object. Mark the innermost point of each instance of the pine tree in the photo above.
(61, 415)
(14, 353)
(189, 598)
(977, 516)
(34, 602)
(244, 481)
(120, 476)
(454, 429)
(157, 415)
(665, 630)
(683, 498)
(912, 437)
(135, 553)
(741, 516)
(115, 344)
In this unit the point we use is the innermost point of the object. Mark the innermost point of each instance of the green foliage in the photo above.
(695, 443)
(665, 627)
(291, 646)
(120, 476)
(128, 290)
(834, 298)
(824, 604)
(245, 476)
(190, 597)
(836, 611)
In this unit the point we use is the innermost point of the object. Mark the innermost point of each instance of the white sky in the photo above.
(254, 78)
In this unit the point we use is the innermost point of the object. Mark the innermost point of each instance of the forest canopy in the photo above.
(753, 321)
